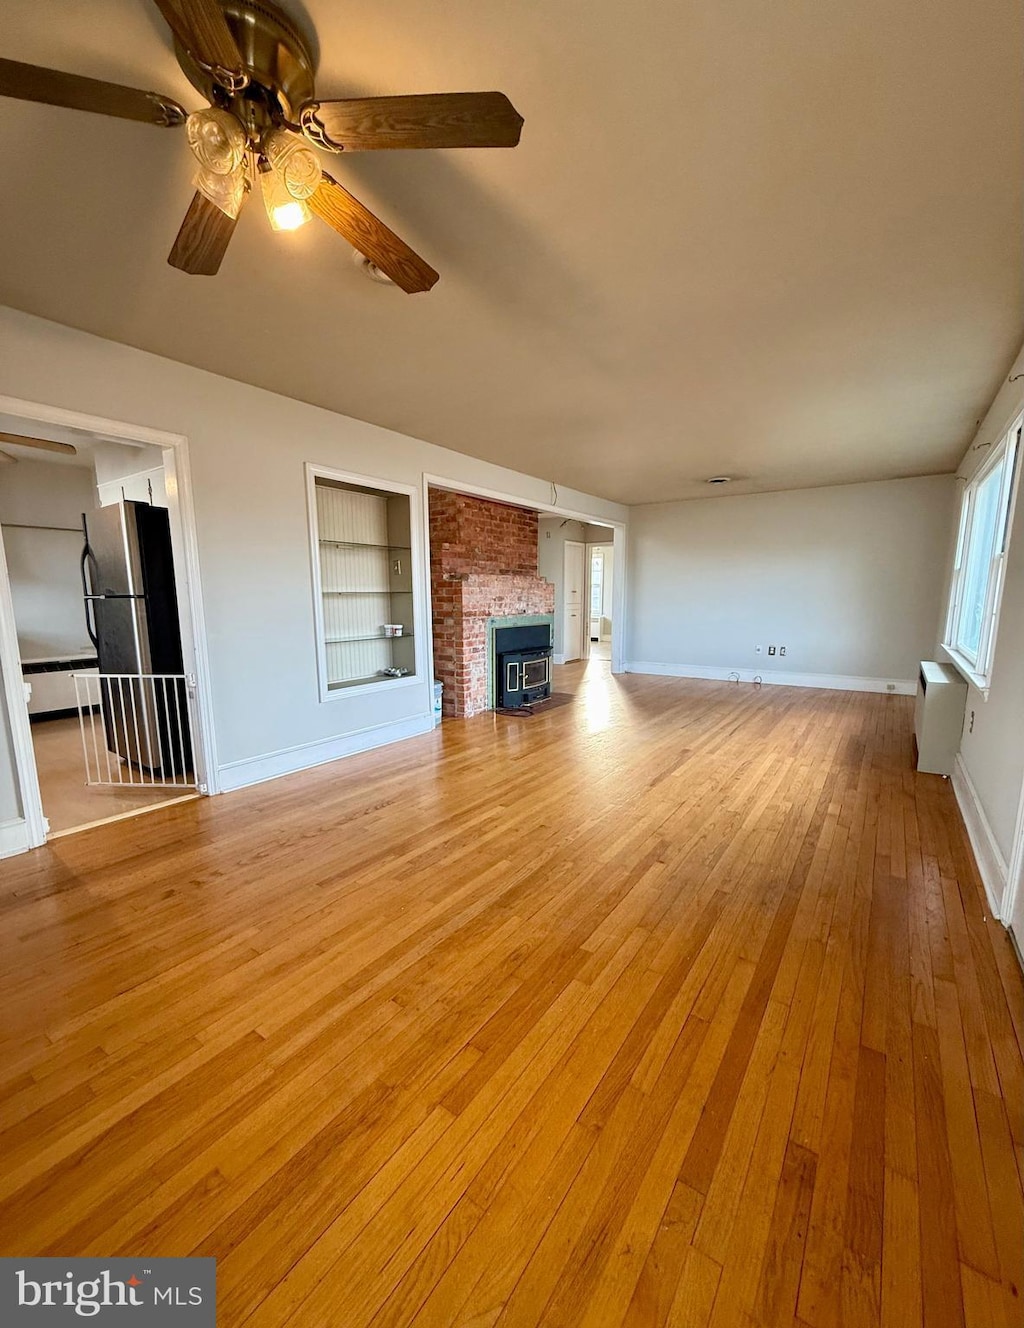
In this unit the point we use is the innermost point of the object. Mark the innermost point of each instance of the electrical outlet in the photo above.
(782, 650)
(890, 686)
(971, 729)
(771, 650)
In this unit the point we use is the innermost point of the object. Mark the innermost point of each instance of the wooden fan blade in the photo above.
(367, 233)
(203, 239)
(55, 88)
(44, 444)
(432, 120)
(202, 29)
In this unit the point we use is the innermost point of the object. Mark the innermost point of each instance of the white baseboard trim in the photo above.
(289, 760)
(991, 863)
(836, 682)
(14, 837)
(557, 659)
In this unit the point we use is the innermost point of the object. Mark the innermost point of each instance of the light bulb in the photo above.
(284, 212)
(290, 217)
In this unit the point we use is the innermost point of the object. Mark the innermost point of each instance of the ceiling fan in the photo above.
(43, 444)
(255, 68)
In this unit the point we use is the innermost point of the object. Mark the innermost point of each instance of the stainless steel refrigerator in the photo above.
(131, 612)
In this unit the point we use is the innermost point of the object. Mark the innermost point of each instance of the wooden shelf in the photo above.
(351, 640)
(370, 677)
(355, 544)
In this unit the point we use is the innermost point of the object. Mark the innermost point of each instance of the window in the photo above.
(596, 582)
(363, 583)
(980, 563)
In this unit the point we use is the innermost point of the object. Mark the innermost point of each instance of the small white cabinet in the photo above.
(147, 486)
(938, 717)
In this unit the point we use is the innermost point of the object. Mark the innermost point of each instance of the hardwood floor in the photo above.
(678, 1005)
(68, 801)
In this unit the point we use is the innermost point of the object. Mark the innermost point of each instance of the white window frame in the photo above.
(330, 694)
(1005, 455)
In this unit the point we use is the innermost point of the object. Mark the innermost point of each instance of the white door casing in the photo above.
(174, 448)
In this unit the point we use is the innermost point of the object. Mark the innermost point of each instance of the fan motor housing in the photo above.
(276, 55)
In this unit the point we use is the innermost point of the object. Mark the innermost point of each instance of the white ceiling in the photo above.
(780, 241)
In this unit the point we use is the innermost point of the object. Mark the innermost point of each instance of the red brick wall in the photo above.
(483, 564)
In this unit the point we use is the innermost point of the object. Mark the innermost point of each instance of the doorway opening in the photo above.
(587, 622)
(600, 586)
(97, 621)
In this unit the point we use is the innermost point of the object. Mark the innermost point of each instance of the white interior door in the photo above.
(574, 607)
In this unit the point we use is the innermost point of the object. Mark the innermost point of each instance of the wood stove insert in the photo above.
(522, 658)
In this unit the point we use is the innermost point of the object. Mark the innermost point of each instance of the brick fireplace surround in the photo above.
(483, 565)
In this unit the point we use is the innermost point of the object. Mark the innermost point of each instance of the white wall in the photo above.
(993, 754)
(46, 585)
(552, 534)
(247, 448)
(848, 579)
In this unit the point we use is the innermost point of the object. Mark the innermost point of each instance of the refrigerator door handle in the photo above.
(87, 596)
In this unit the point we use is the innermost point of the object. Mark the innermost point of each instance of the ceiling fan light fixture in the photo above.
(225, 191)
(291, 216)
(294, 162)
(285, 212)
(217, 140)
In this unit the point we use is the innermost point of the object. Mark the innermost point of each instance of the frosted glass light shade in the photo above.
(294, 162)
(217, 140)
(226, 191)
(285, 212)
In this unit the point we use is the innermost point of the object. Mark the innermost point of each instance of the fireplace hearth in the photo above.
(522, 658)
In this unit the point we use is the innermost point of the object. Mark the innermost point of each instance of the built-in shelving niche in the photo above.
(365, 560)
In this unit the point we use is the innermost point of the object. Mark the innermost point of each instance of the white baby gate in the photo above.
(136, 729)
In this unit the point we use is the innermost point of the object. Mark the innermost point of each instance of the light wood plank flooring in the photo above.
(68, 801)
(679, 1005)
